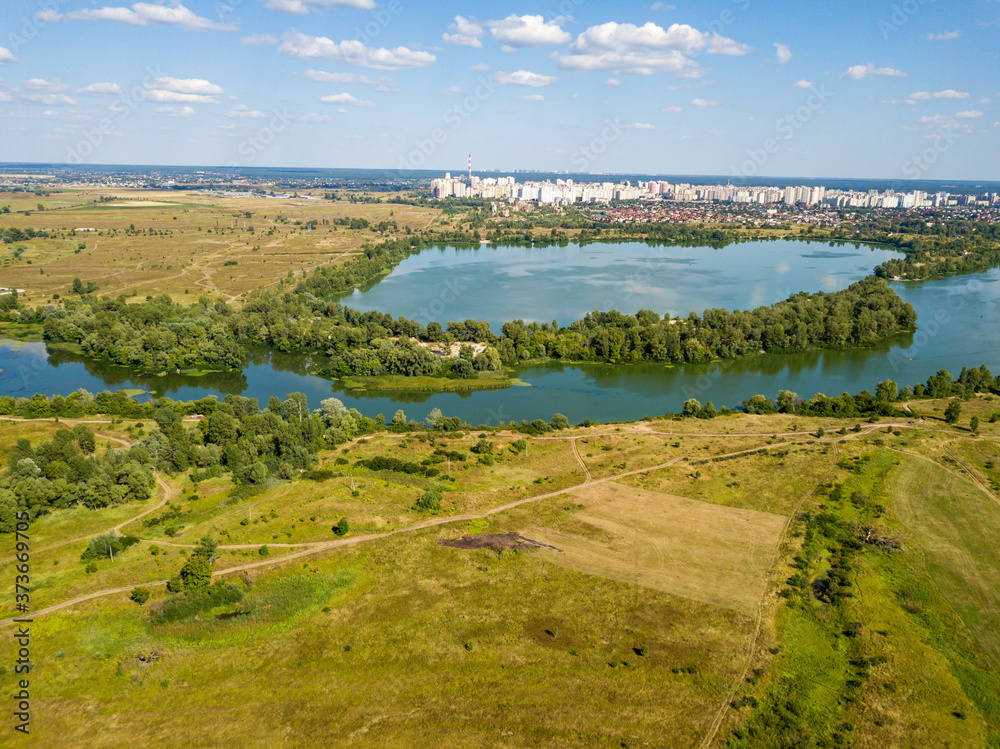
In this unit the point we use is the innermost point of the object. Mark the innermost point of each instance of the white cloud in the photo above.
(464, 32)
(164, 96)
(346, 99)
(142, 14)
(228, 126)
(522, 78)
(706, 103)
(176, 111)
(527, 31)
(307, 6)
(804, 84)
(105, 89)
(244, 112)
(672, 108)
(531, 97)
(783, 54)
(643, 50)
(48, 99)
(382, 83)
(857, 72)
(313, 117)
(613, 82)
(944, 36)
(6, 56)
(185, 85)
(323, 77)
(452, 91)
(5, 96)
(481, 66)
(259, 40)
(948, 93)
(639, 126)
(306, 47)
(970, 114)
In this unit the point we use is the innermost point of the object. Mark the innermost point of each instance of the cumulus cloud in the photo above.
(464, 32)
(639, 126)
(101, 89)
(531, 97)
(176, 111)
(244, 112)
(353, 52)
(970, 114)
(259, 40)
(858, 72)
(783, 54)
(452, 91)
(308, 6)
(143, 14)
(527, 31)
(6, 56)
(164, 96)
(944, 36)
(804, 84)
(522, 78)
(613, 82)
(346, 99)
(948, 93)
(643, 50)
(706, 103)
(672, 108)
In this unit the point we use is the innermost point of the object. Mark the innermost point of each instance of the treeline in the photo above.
(66, 471)
(881, 403)
(235, 436)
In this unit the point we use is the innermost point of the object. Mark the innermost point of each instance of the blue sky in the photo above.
(895, 90)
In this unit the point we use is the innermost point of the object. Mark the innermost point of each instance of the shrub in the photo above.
(429, 501)
(175, 584)
(264, 551)
(341, 527)
(102, 547)
(140, 594)
(90, 568)
(194, 602)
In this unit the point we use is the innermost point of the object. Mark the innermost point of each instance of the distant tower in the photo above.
(470, 168)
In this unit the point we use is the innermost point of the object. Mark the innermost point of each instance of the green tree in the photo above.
(399, 419)
(175, 584)
(953, 412)
(974, 425)
(429, 501)
(692, 407)
(197, 572)
(341, 528)
(559, 422)
(140, 594)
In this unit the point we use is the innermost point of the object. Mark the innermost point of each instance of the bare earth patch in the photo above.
(697, 550)
(499, 542)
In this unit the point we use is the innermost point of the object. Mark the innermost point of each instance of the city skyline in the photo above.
(729, 88)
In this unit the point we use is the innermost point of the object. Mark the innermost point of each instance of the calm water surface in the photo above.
(958, 318)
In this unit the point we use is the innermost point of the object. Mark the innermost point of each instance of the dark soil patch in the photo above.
(497, 541)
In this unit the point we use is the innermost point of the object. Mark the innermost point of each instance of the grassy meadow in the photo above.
(698, 583)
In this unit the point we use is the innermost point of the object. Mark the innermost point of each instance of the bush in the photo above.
(341, 527)
(102, 547)
(429, 501)
(140, 594)
(194, 602)
(175, 584)
(90, 568)
(264, 551)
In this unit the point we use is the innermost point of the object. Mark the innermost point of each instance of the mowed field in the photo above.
(151, 242)
(696, 550)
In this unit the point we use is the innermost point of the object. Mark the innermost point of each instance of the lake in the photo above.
(565, 283)
(958, 321)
